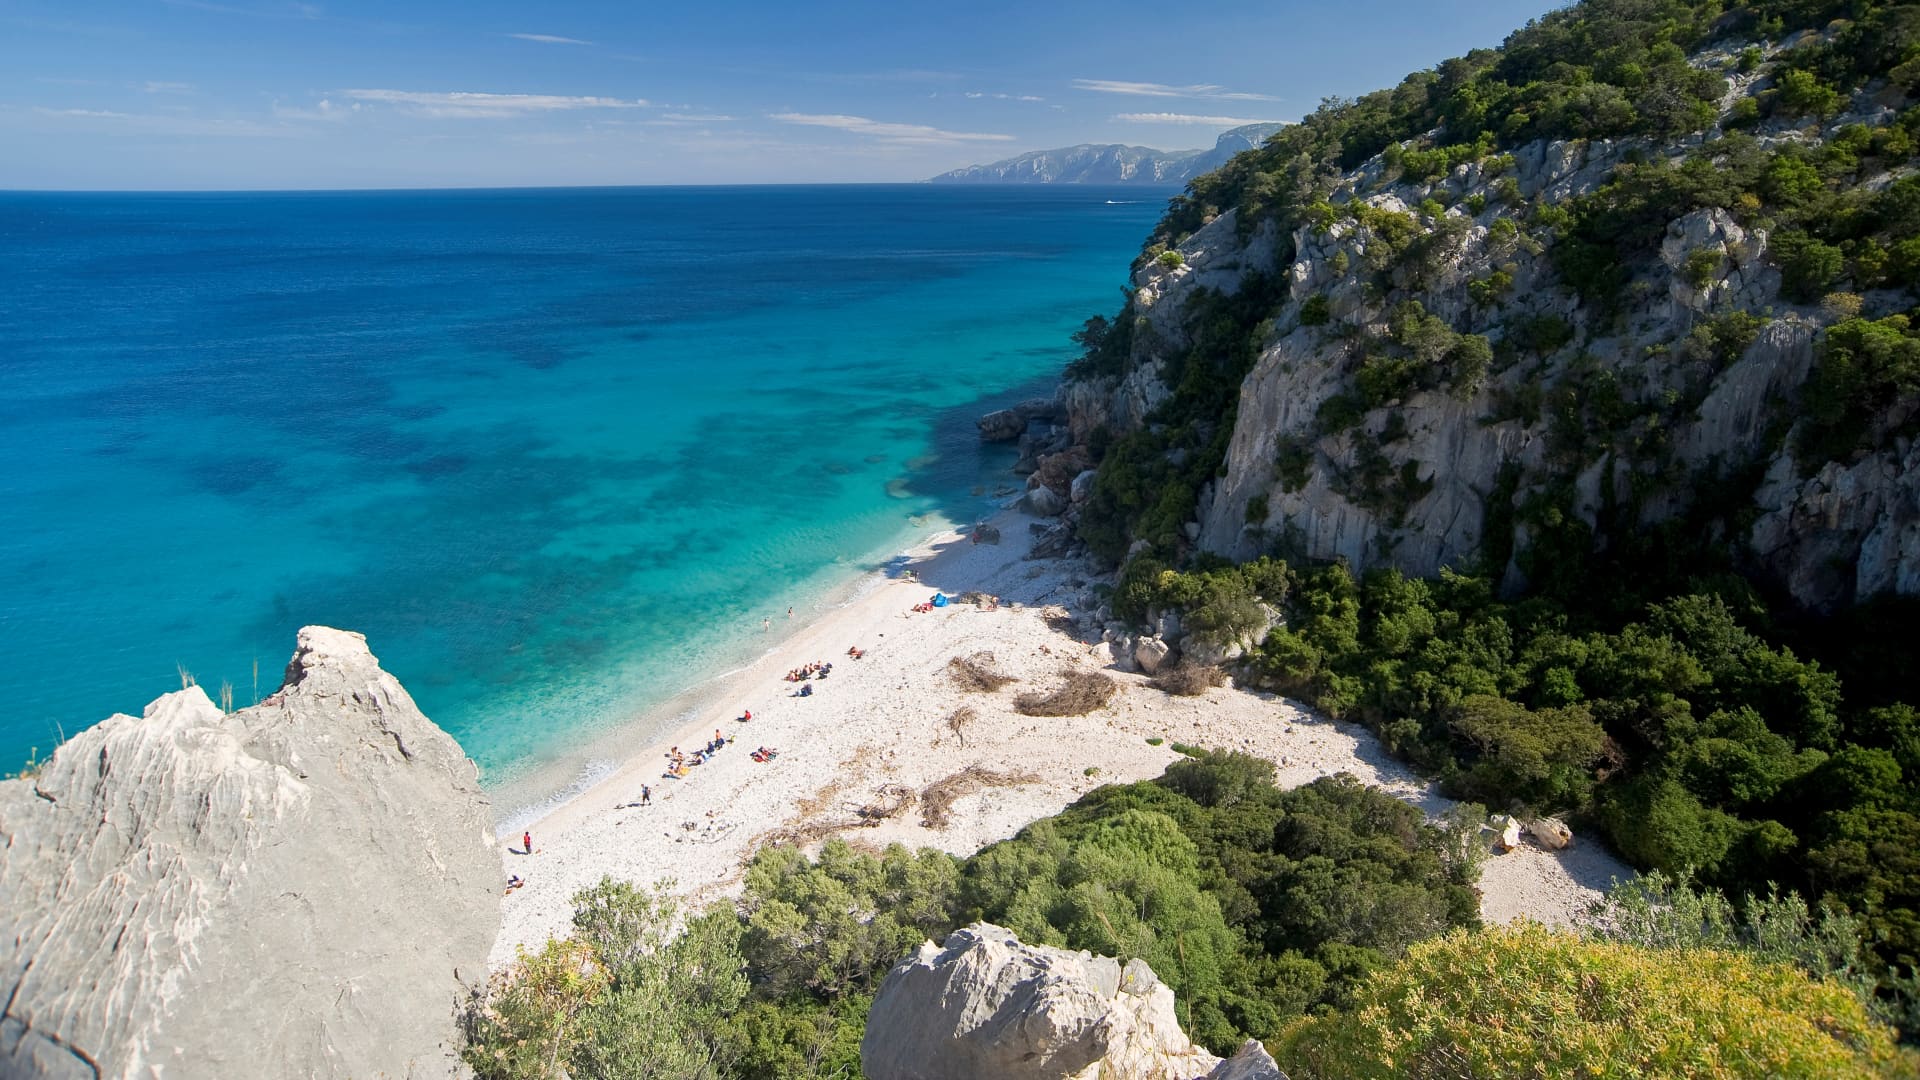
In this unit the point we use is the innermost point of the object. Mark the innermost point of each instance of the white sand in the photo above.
(876, 730)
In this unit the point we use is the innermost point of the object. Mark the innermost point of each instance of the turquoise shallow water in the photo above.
(556, 453)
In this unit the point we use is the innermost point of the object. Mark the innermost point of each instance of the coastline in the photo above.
(858, 758)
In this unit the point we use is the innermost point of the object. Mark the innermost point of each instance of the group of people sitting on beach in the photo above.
(763, 755)
(815, 670)
(678, 763)
(856, 652)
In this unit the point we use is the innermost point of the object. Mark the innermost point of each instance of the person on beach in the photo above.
(746, 715)
(789, 613)
(766, 624)
(526, 843)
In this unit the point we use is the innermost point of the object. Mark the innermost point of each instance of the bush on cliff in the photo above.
(1528, 1001)
(625, 997)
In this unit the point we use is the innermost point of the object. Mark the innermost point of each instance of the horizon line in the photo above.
(930, 182)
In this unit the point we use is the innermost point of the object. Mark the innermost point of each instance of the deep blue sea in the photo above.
(555, 452)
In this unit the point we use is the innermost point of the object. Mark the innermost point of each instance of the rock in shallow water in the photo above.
(296, 889)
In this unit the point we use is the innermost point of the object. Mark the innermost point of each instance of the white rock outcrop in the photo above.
(1695, 366)
(295, 889)
(987, 1005)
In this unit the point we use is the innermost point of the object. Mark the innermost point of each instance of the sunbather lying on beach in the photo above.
(764, 755)
(515, 882)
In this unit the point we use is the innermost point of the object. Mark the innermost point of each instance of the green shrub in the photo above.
(1564, 1007)
(1315, 310)
(1699, 267)
(1170, 260)
(1808, 267)
(1863, 368)
(1801, 93)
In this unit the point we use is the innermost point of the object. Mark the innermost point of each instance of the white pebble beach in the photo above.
(875, 734)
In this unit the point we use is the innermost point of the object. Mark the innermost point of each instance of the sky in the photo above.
(289, 94)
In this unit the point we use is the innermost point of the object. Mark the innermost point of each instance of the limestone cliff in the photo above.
(1430, 388)
(986, 1004)
(294, 889)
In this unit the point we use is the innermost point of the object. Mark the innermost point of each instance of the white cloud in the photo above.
(976, 95)
(325, 110)
(153, 87)
(1187, 118)
(879, 129)
(469, 104)
(550, 39)
(93, 114)
(1150, 89)
(107, 121)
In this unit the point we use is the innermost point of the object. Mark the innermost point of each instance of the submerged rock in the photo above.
(295, 889)
(987, 1005)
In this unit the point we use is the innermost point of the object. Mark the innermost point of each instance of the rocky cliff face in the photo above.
(295, 889)
(1346, 444)
(987, 1005)
(1111, 163)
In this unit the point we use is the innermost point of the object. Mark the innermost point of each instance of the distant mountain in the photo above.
(1112, 163)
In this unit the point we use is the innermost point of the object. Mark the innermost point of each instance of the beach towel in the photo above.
(939, 600)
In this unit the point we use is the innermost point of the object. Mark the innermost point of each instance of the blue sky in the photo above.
(200, 94)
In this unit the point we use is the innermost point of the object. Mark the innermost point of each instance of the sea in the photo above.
(556, 453)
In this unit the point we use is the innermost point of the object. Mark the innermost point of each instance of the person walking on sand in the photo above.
(526, 843)
(646, 795)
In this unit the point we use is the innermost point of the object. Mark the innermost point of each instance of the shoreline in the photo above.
(863, 755)
(525, 799)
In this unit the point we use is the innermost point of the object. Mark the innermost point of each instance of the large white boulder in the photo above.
(987, 1005)
(1550, 833)
(295, 889)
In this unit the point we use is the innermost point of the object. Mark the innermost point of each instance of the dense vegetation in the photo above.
(1599, 69)
(1527, 1001)
(1331, 920)
(1680, 727)
(1634, 682)
(1254, 904)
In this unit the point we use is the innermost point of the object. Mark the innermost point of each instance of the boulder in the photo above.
(1053, 541)
(1083, 485)
(1059, 470)
(1550, 833)
(1211, 653)
(1250, 1062)
(296, 889)
(987, 1005)
(1006, 425)
(1150, 653)
(1043, 501)
(1506, 834)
